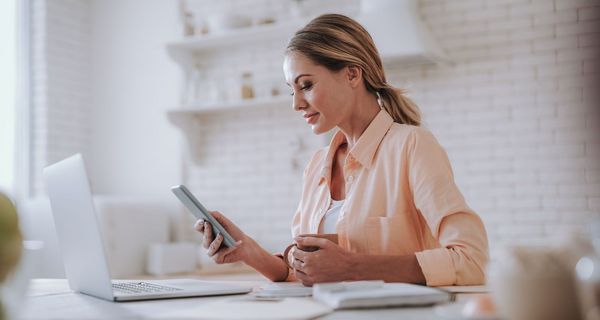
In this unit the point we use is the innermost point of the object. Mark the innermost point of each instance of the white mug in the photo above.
(532, 283)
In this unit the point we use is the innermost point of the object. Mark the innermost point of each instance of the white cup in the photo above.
(532, 283)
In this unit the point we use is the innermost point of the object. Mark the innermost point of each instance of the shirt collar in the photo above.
(364, 149)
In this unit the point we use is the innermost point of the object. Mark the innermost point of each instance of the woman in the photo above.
(384, 185)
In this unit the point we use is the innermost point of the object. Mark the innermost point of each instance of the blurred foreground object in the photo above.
(587, 271)
(11, 241)
(540, 282)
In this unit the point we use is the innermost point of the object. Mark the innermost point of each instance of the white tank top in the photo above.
(331, 217)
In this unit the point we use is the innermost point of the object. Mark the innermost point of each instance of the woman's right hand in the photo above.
(244, 246)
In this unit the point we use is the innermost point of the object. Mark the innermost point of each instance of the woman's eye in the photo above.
(306, 86)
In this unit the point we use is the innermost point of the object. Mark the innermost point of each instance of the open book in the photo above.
(369, 294)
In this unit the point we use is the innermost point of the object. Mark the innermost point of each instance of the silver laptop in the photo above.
(83, 252)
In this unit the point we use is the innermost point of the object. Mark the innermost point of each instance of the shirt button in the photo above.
(350, 178)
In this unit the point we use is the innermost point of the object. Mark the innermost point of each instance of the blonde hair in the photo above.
(335, 42)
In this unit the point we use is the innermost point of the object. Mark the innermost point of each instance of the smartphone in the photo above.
(200, 212)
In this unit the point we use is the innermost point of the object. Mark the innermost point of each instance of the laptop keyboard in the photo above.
(142, 287)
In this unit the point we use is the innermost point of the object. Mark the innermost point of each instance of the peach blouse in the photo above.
(401, 199)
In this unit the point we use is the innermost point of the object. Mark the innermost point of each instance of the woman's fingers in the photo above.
(308, 241)
(208, 235)
(297, 265)
(235, 232)
(215, 245)
(221, 219)
(303, 278)
(222, 255)
(199, 226)
(299, 254)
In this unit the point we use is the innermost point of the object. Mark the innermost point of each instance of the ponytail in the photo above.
(400, 107)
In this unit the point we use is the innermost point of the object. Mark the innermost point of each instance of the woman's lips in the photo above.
(312, 118)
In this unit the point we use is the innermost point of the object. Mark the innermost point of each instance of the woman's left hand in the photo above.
(330, 263)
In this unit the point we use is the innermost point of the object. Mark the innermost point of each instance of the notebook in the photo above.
(371, 294)
(283, 290)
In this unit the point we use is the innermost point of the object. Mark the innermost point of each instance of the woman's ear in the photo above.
(354, 75)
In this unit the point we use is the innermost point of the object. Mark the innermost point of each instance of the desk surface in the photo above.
(52, 299)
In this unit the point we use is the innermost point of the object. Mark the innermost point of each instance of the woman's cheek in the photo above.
(309, 97)
(314, 100)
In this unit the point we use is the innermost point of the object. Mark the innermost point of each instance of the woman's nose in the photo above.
(298, 102)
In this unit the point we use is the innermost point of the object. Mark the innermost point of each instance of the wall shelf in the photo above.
(186, 52)
(183, 51)
(187, 118)
(233, 105)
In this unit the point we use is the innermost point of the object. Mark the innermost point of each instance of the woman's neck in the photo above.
(363, 112)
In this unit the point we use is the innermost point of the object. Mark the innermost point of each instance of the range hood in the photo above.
(399, 33)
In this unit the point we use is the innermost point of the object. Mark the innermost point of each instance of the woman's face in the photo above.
(322, 96)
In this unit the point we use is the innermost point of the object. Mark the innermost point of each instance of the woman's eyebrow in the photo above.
(302, 75)
(298, 77)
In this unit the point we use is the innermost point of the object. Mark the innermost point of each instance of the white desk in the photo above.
(52, 299)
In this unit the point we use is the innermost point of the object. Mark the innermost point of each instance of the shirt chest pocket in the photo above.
(395, 235)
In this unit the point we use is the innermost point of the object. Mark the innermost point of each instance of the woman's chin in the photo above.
(316, 129)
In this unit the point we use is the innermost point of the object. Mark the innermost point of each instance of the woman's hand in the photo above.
(329, 263)
(242, 250)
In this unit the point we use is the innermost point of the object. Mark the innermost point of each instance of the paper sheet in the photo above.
(247, 308)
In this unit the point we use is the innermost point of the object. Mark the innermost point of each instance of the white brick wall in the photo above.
(521, 131)
(516, 109)
(251, 167)
(60, 83)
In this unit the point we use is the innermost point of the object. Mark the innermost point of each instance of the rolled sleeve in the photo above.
(463, 236)
(463, 252)
(437, 267)
(463, 256)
